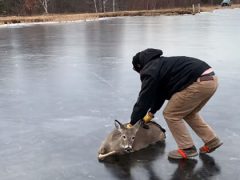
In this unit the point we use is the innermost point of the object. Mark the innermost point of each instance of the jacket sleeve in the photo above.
(145, 99)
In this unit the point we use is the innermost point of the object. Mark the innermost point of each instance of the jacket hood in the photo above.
(145, 56)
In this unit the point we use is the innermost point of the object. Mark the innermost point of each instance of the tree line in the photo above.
(30, 7)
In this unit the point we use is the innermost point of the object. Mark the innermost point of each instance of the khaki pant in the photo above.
(185, 105)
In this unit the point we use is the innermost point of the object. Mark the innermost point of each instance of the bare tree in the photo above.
(95, 5)
(44, 4)
(114, 4)
(104, 5)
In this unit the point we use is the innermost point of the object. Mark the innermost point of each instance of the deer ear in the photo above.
(138, 124)
(118, 125)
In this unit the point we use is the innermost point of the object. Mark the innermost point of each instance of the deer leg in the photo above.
(103, 156)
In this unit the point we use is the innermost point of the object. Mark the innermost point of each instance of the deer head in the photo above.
(127, 135)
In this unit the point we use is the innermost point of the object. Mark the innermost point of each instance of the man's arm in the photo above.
(145, 99)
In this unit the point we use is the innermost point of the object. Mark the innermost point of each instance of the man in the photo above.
(187, 83)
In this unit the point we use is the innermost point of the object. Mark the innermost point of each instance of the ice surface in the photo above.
(62, 85)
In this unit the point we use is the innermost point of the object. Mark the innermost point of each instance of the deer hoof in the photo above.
(101, 157)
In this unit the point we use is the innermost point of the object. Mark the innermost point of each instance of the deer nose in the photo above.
(128, 149)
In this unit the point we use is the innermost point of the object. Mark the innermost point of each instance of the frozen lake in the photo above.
(62, 85)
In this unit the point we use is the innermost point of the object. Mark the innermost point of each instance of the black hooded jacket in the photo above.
(162, 77)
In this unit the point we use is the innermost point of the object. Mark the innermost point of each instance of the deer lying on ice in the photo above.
(124, 140)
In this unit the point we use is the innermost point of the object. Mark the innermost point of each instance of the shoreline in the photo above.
(58, 18)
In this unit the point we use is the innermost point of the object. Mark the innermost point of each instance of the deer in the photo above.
(123, 140)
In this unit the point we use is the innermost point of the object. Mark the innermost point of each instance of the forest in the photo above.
(36, 7)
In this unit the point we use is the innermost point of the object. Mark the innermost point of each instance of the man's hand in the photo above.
(142, 124)
(129, 126)
(148, 117)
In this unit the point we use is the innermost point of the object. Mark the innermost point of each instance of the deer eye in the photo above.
(133, 138)
(124, 137)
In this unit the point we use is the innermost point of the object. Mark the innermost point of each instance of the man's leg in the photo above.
(205, 132)
(195, 121)
(200, 127)
(183, 104)
(177, 108)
